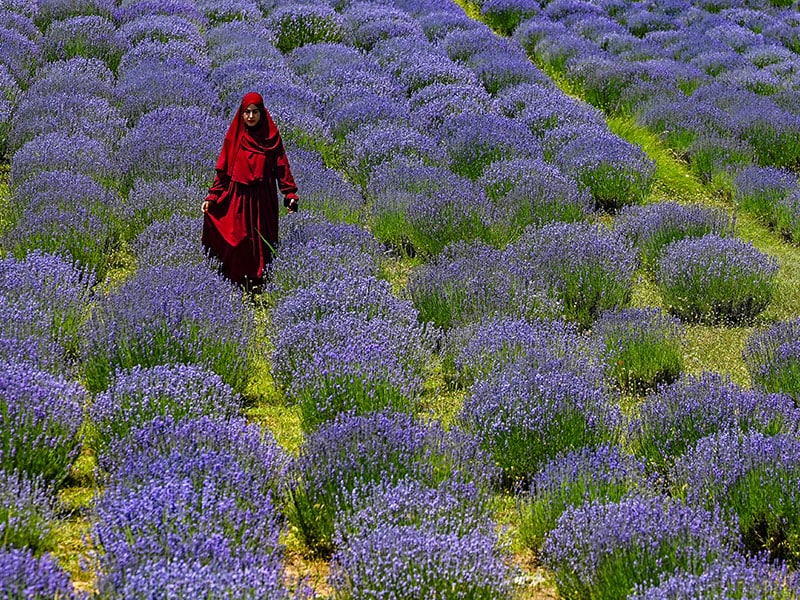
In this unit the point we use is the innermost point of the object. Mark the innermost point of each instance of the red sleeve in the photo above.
(283, 173)
(221, 182)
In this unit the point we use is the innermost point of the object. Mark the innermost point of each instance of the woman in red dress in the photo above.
(240, 225)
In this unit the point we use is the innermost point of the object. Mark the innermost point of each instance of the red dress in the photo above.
(240, 227)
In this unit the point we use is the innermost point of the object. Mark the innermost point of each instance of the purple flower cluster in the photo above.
(760, 190)
(772, 357)
(714, 278)
(139, 394)
(170, 315)
(325, 190)
(673, 418)
(587, 267)
(351, 452)
(642, 347)
(89, 36)
(42, 419)
(604, 549)
(24, 575)
(170, 243)
(27, 511)
(652, 227)
(524, 416)
(755, 477)
(296, 25)
(573, 478)
(737, 581)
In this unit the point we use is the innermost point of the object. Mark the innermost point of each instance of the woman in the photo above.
(240, 225)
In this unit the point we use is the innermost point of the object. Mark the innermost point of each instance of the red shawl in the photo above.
(245, 149)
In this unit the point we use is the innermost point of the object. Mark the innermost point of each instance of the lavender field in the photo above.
(534, 333)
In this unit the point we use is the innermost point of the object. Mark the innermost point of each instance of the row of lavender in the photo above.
(716, 81)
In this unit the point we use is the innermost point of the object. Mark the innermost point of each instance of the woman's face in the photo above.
(251, 115)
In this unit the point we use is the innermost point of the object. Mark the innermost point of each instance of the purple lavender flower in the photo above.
(325, 190)
(587, 267)
(45, 298)
(27, 511)
(63, 152)
(155, 27)
(42, 418)
(136, 9)
(139, 394)
(642, 347)
(672, 419)
(90, 36)
(170, 315)
(222, 12)
(772, 357)
(736, 581)
(24, 575)
(438, 24)
(407, 561)
(172, 51)
(370, 23)
(19, 54)
(80, 76)
(151, 201)
(230, 451)
(237, 39)
(755, 477)
(498, 70)
(572, 478)
(297, 25)
(353, 451)
(169, 144)
(604, 549)
(51, 10)
(11, 18)
(713, 278)
(463, 44)
(711, 154)
(171, 243)
(213, 526)
(505, 15)
(652, 227)
(478, 350)
(787, 216)
(434, 104)
(66, 113)
(525, 415)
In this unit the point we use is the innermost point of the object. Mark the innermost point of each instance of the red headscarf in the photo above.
(245, 149)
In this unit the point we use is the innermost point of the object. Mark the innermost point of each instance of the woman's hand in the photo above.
(205, 206)
(291, 206)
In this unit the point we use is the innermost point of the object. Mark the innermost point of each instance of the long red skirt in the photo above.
(241, 228)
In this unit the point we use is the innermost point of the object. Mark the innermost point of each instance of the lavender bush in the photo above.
(772, 357)
(736, 581)
(197, 449)
(89, 36)
(505, 15)
(642, 348)
(149, 201)
(671, 420)
(787, 216)
(79, 76)
(753, 476)
(20, 55)
(170, 315)
(715, 279)
(652, 227)
(297, 25)
(171, 243)
(351, 452)
(23, 576)
(51, 10)
(525, 416)
(473, 352)
(758, 190)
(587, 267)
(325, 191)
(604, 549)
(399, 549)
(573, 478)
(139, 394)
(27, 512)
(42, 418)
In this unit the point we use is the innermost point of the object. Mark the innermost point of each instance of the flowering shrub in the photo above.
(474, 352)
(652, 227)
(772, 357)
(23, 576)
(407, 539)
(525, 416)
(79, 76)
(504, 15)
(756, 478)
(139, 394)
(715, 279)
(42, 418)
(604, 549)
(149, 201)
(20, 55)
(297, 25)
(642, 347)
(587, 267)
(89, 36)
(77, 154)
(170, 315)
(351, 452)
(759, 190)
(27, 512)
(369, 23)
(671, 420)
(171, 243)
(325, 191)
(572, 478)
(737, 581)
(787, 216)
